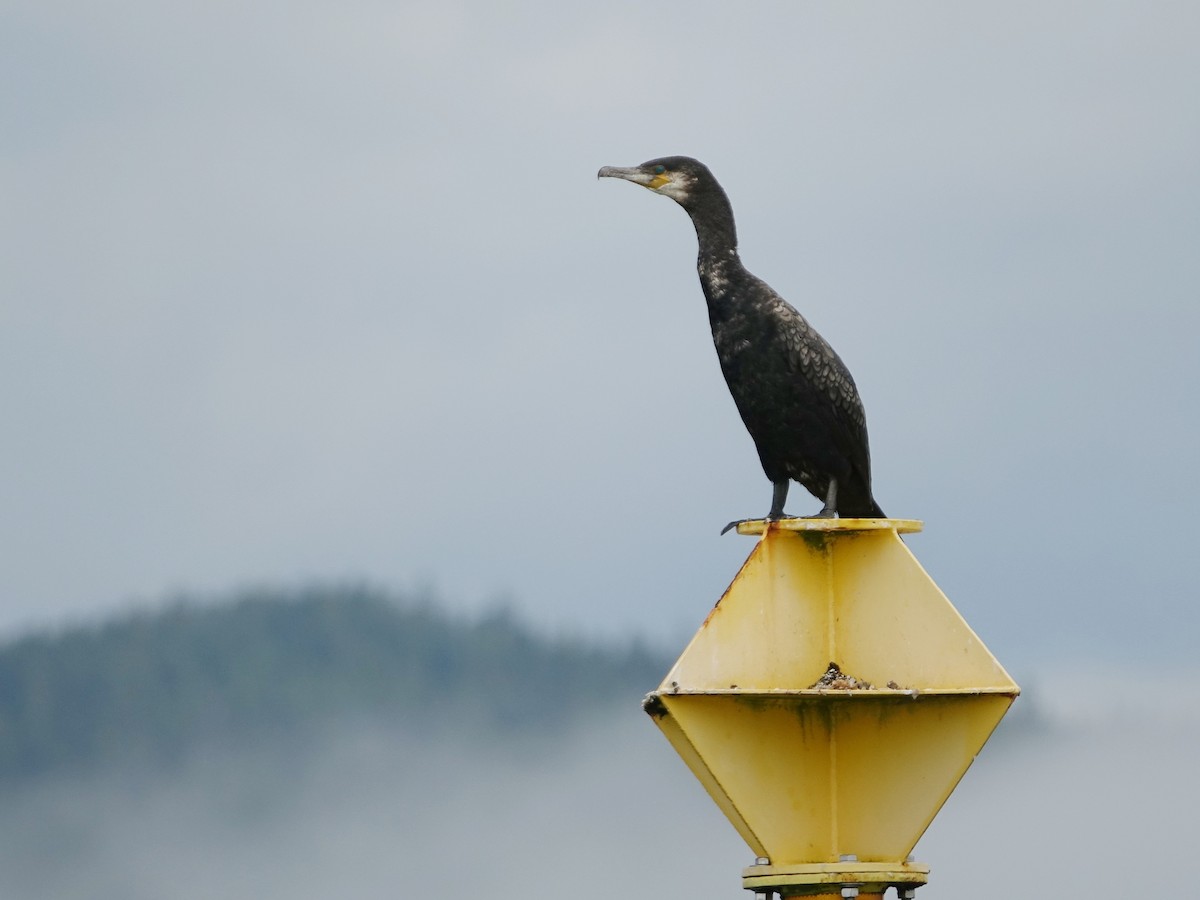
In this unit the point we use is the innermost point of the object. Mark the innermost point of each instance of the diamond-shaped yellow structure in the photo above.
(830, 703)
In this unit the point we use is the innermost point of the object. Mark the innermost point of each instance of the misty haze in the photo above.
(488, 757)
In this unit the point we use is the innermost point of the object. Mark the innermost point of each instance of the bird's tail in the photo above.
(859, 504)
(869, 510)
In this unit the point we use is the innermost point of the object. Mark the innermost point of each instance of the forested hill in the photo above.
(151, 687)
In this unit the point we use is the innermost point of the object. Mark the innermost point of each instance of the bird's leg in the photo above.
(778, 498)
(829, 510)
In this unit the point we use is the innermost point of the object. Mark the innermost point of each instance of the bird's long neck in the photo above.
(713, 217)
(718, 263)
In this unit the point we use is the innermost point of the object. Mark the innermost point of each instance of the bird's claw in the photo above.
(767, 518)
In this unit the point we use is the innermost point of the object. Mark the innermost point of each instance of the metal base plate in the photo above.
(901, 526)
(818, 878)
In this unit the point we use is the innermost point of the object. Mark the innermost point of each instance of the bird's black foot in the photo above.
(769, 517)
(829, 509)
(778, 498)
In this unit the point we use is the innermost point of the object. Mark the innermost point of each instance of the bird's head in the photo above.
(683, 179)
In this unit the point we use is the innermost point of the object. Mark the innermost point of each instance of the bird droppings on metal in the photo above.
(837, 680)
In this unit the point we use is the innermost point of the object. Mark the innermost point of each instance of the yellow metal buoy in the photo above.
(830, 703)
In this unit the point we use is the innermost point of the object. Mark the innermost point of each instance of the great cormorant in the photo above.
(794, 393)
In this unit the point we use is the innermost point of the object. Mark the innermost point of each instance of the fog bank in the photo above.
(1055, 806)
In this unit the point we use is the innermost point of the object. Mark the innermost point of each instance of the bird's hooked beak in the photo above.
(637, 175)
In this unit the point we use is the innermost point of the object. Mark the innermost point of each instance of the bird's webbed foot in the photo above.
(829, 510)
(778, 498)
(769, 517)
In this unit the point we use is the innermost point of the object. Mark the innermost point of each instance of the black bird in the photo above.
(794, 393)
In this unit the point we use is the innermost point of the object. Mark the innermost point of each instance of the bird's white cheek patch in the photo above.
(676, 190)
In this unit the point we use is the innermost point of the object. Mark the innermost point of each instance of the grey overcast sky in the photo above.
(330, 290)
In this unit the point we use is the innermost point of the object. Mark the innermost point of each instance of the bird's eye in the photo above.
(658, 170)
